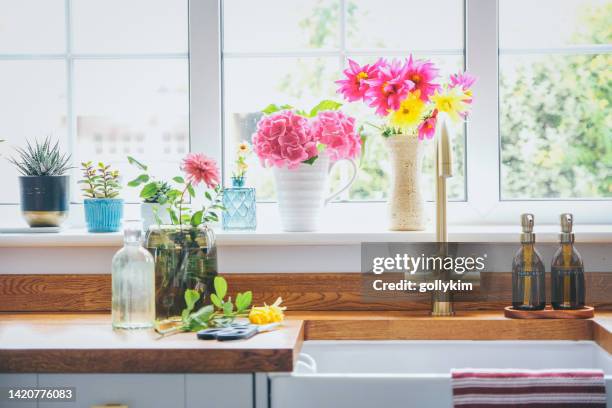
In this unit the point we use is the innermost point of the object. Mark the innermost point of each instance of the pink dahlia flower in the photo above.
(337, 132)
(464, 81)
(427, 128)
(422, 73)
(200, 168)
(284, 139)
(389, 88)
(355, 86)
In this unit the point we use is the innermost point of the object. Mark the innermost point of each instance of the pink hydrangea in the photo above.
(201, 169)
(337, 132)
(284, 139)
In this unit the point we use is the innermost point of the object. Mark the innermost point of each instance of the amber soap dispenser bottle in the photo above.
(567, 270)
(528, 272)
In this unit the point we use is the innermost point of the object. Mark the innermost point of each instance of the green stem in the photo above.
(180, 214)
(381, 128)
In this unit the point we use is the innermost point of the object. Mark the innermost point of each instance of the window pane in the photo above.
(280, 25)
(253, 83)
(32, 106)
(555, 126)
(32, 26)
(555, 115)
(132, 107)
(553, 23)
(405, 25)
(135, 26)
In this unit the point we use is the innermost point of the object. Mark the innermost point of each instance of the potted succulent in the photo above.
(103, 210)
(44, 183)
(156, 195)
(185, 252)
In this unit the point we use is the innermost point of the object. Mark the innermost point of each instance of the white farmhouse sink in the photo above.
(389, 374)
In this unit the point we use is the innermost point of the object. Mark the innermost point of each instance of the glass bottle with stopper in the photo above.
(567, 270)
(133, 286)
(528, 272)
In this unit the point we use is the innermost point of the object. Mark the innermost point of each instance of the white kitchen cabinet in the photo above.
(133, 390)
(18, 381)
(143, 390)
(219, 390)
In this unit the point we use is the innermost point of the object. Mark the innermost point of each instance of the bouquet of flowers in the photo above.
(407, 95)
(286, 137)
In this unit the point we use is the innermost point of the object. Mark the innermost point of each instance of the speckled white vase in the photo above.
(405, 203)
(302, 193)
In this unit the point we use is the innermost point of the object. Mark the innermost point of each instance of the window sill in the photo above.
(275, 237)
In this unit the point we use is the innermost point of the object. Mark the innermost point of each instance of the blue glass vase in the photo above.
(239, 202)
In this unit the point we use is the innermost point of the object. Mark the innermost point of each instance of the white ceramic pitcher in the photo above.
(301, 193)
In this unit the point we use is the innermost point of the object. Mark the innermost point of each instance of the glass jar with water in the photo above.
(133, 304)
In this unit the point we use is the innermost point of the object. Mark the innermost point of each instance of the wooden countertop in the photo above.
(85, 343)
(81, 343)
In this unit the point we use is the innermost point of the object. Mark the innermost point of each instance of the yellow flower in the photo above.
(452, 102)
(242, 166)
(268, 314)
(410, 112)
(244, 148)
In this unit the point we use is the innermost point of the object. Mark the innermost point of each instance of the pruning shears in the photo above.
(235, 331)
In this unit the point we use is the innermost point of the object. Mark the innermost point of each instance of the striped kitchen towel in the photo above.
(473, 388)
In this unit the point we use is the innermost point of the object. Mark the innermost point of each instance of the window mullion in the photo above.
(482, 164)
(205, 78)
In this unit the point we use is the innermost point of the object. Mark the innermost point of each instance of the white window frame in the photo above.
(483, 203)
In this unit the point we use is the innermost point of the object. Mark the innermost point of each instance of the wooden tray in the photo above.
(549, 313)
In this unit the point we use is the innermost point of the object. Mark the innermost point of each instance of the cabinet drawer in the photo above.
(18, 381)
(133, 390)
(219, 390)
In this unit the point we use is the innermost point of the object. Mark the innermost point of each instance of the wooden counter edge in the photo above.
(215, 359)
(312, 326)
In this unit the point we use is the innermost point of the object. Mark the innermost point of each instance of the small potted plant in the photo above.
(103, 210)
(157, 195)
(44, 183)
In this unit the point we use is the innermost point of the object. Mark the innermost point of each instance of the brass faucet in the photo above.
(442, 303)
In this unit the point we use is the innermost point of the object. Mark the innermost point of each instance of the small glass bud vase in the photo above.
(133, 287)
(240, 207)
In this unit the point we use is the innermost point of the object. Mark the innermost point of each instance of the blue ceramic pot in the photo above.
(103, 214)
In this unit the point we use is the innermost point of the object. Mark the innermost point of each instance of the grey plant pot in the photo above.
(45, 200)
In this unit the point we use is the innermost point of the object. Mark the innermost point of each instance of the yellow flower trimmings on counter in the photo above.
(268, 314)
